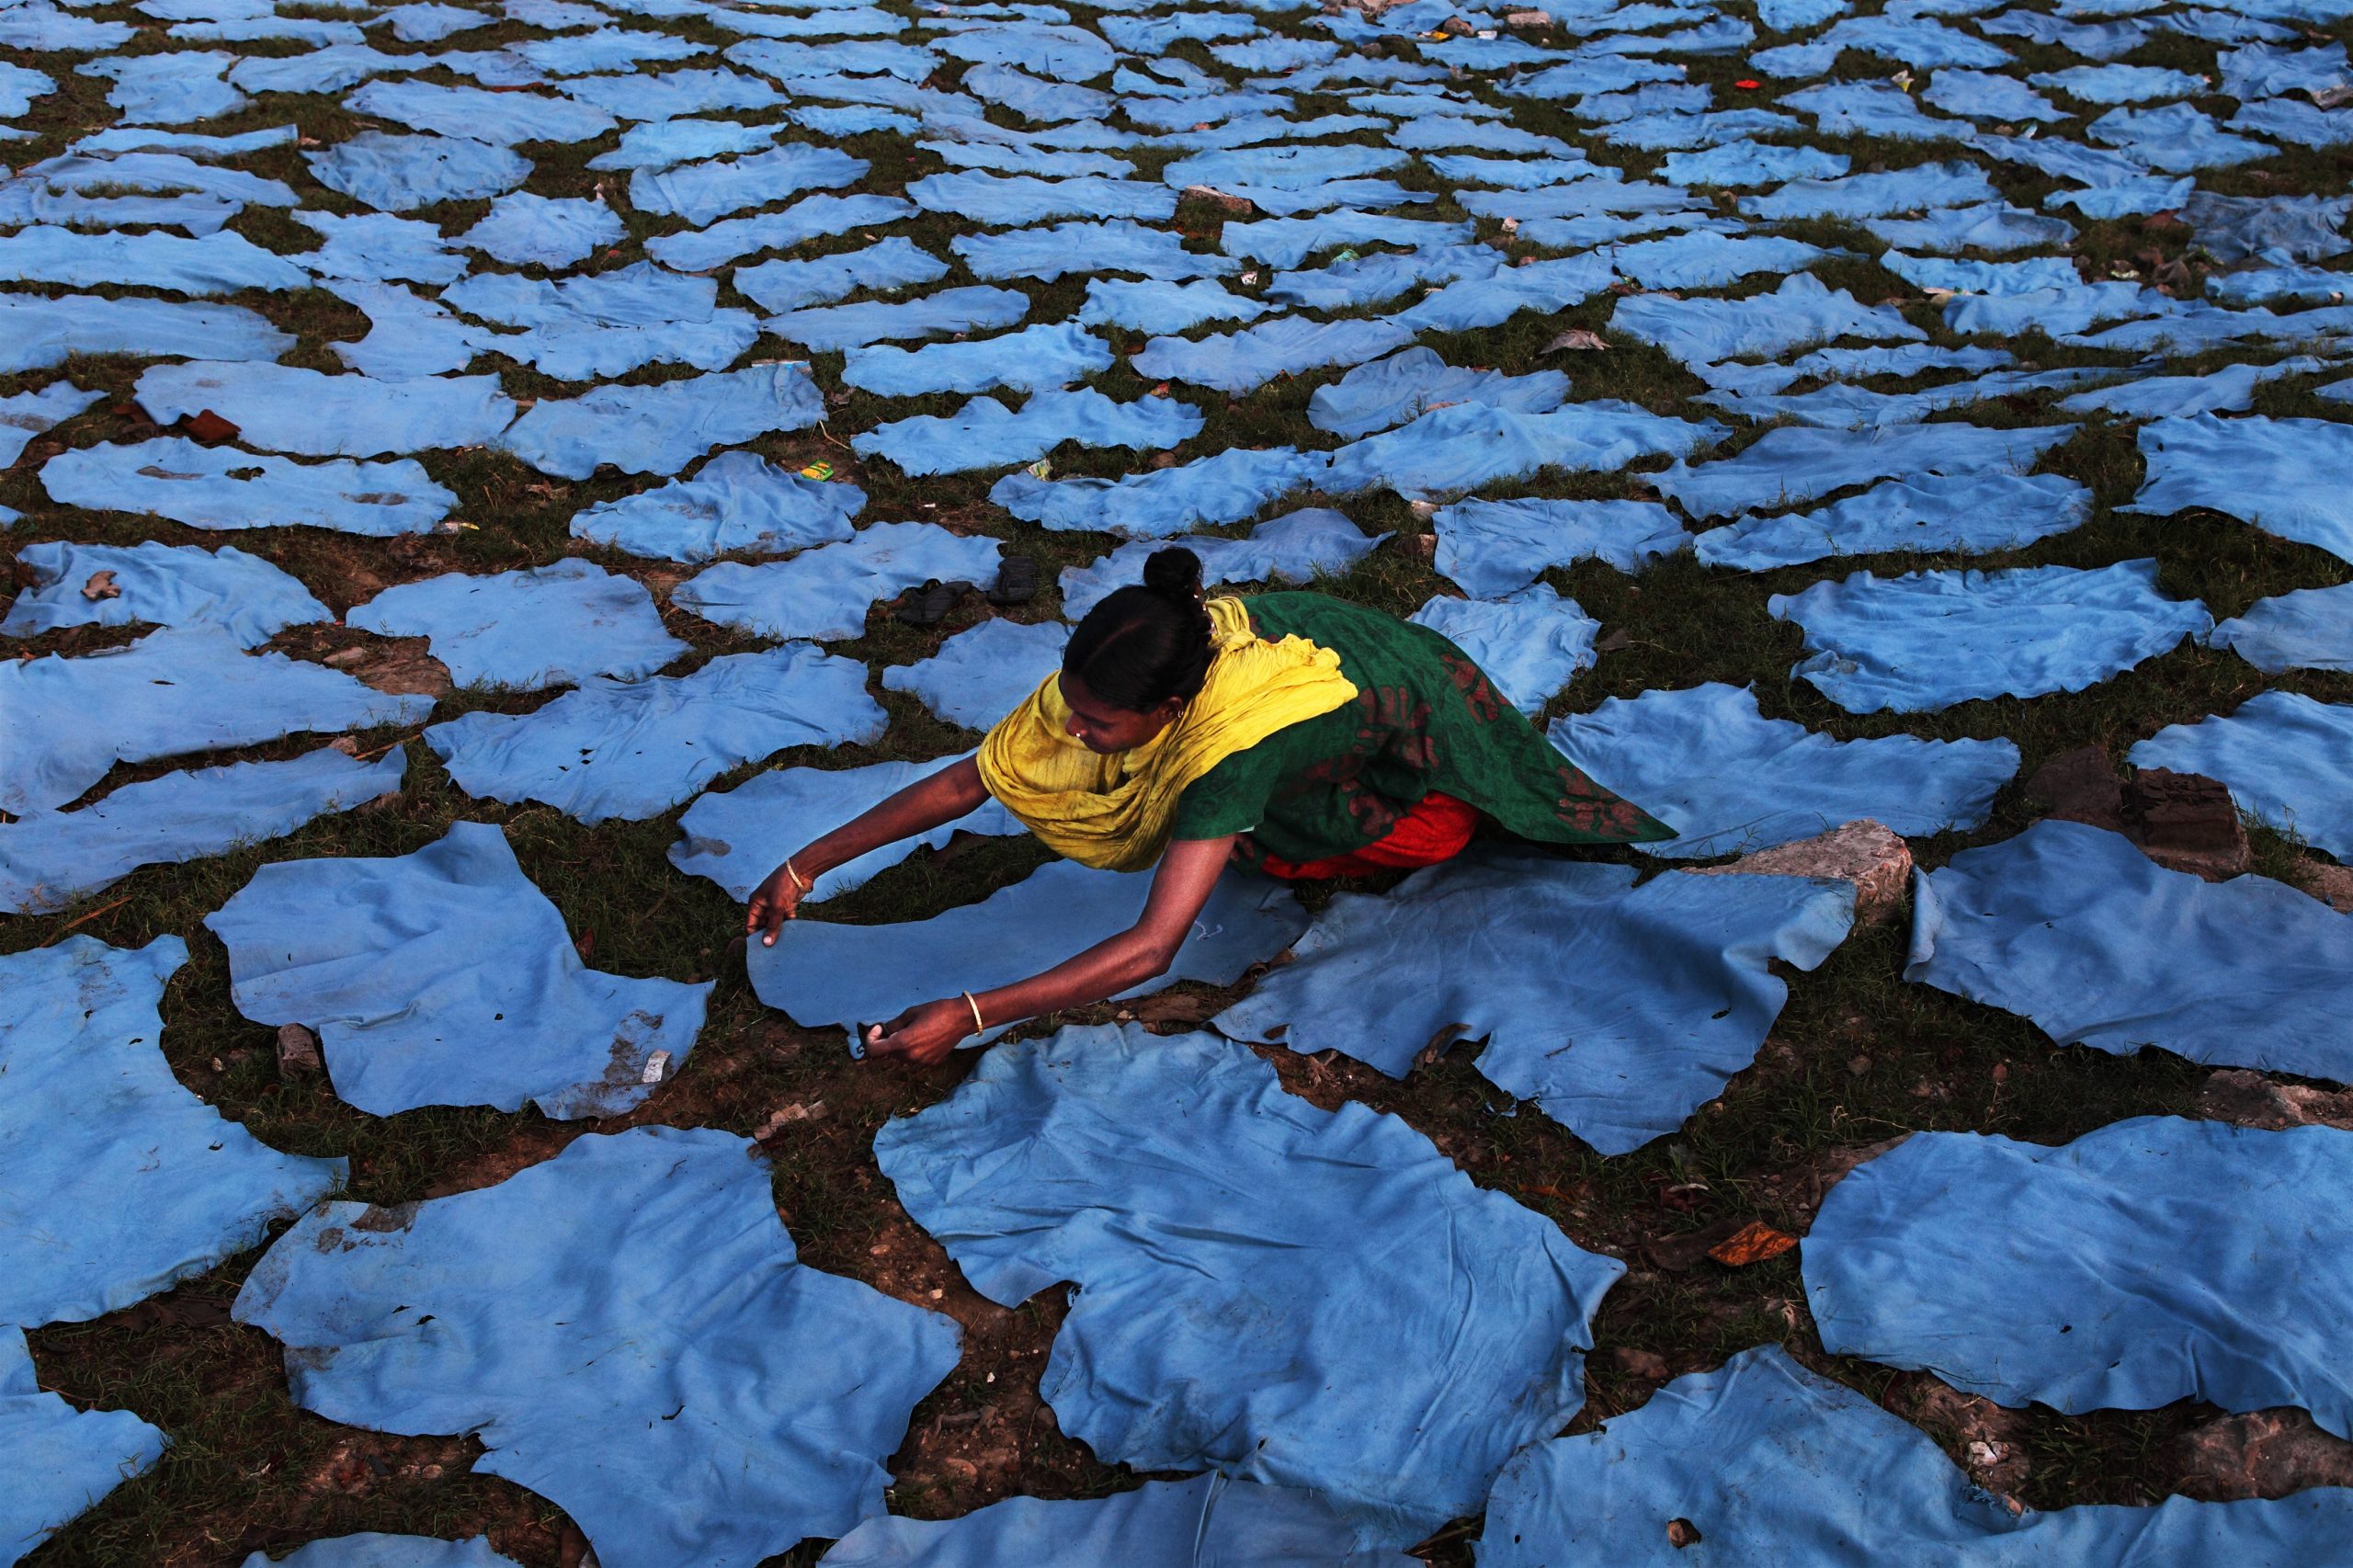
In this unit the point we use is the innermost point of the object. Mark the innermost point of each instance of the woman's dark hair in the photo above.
(1148, 641)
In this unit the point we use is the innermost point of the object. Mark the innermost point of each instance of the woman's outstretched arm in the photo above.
(937, 798)
(924, 1035)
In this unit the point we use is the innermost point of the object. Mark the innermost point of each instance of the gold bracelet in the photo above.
(978, 1026)
(798, 879)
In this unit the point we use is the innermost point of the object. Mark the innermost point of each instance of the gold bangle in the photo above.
(798, 879)
(978, 1026)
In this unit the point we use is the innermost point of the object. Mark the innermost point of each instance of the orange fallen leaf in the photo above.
(1753, 1243)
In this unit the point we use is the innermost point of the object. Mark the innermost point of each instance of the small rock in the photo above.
(1528, 20)
(1455, 27)
(2263, 1453)
(297, 1051)
(2080, 786)
(1681, 1533)
(101, 585)
(1865, 853)
(2187, 822)
(2250, 1099)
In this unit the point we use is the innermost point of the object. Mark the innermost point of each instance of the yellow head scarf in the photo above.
(1115, 812)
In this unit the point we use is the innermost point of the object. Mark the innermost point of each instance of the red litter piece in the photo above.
(1750, 83)
(210, 428)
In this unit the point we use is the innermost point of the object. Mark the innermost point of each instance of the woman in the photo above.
(1293, 731)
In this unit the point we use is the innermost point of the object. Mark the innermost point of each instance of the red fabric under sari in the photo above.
(1436, 829)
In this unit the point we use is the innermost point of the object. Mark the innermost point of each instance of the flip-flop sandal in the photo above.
(1016, 581)
(928, 605)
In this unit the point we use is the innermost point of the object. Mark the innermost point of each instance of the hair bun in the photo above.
(1174, 572)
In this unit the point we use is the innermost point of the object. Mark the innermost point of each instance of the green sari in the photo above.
(1425, 719)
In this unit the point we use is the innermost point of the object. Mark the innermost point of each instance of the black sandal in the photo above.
(929, 604)
(1016, 581)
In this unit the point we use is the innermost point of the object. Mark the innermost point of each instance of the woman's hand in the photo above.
(933, 801)
(773, 902)
(922, 1036)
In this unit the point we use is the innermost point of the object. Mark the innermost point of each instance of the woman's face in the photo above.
(1102, 728)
